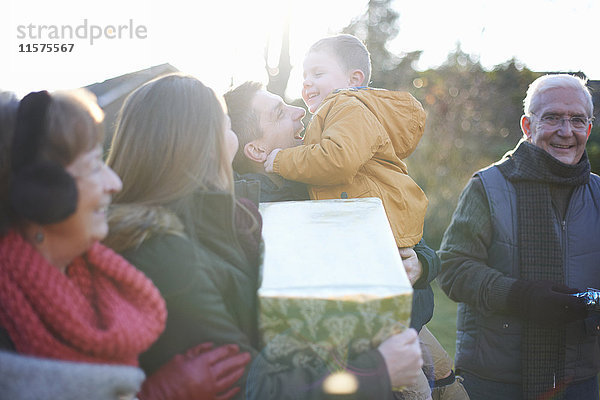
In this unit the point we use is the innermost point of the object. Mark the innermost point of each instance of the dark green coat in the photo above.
(210, 287)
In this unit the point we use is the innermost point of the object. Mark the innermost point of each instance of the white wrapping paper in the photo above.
(333, 282)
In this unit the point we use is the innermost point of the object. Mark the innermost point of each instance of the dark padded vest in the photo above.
(489, 345)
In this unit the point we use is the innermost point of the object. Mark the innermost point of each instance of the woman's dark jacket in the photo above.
(210, 287)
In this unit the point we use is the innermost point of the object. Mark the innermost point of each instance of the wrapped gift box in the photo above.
(333, 282)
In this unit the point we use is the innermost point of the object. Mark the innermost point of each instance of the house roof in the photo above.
(112, 92)
(113, 89)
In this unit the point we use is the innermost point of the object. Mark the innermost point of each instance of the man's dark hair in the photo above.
(244, 121)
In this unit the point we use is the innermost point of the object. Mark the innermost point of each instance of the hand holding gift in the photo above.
(402, 355)
(545, 302)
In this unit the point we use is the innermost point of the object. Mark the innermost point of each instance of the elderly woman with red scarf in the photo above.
(63, 295)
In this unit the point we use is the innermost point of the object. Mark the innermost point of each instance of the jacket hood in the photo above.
(401, 115)
(131, 224)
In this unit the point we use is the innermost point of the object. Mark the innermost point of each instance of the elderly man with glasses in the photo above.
(524, 238)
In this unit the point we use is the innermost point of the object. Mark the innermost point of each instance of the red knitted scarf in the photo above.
(102, 310)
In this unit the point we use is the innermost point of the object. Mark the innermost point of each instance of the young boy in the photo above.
(357, 138)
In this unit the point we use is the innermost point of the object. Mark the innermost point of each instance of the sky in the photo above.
(222, 42)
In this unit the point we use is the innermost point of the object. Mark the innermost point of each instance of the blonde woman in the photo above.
(176, 219)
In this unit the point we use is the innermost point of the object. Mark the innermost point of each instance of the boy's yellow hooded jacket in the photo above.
(354, 146)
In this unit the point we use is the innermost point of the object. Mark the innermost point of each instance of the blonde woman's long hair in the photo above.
(169, 142)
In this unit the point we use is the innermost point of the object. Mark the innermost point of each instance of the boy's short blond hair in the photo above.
(350, 52)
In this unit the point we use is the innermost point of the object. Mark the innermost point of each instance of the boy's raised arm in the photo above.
(346, 144)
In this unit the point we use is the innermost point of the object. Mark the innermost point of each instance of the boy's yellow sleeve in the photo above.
(338, 145)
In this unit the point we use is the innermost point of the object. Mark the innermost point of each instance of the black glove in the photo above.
(545, 302)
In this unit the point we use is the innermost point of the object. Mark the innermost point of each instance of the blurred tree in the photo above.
(593, 148)
(472, 120)
(376, 27)
(280, 75)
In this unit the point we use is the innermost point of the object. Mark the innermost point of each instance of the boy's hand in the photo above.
(270, 159)
(412, 264)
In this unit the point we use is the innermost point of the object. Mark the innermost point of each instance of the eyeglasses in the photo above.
(554, 120)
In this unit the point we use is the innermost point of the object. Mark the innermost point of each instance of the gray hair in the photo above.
(554, 81)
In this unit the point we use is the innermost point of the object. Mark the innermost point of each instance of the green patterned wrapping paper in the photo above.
(333, 282)
(317, 332)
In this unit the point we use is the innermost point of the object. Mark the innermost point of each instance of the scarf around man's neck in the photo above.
(532, 170)
(102, 310)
